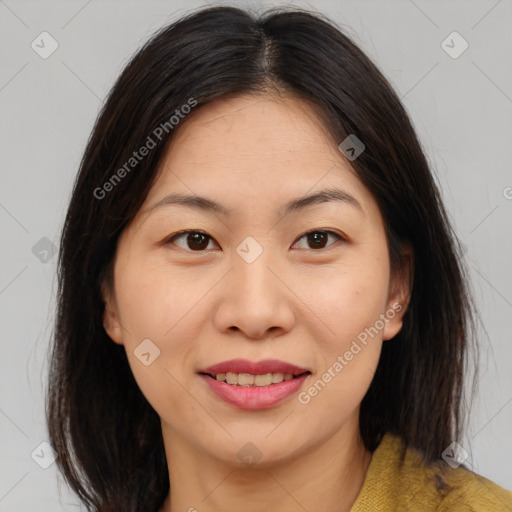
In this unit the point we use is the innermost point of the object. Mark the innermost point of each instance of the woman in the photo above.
(261, 300)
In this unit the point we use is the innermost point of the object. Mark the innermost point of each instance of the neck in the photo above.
(327, 478)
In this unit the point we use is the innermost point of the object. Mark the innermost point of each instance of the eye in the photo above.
(197, 241)
(318, 238)
(194, 240)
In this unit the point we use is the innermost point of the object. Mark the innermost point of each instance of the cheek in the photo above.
(351, 308)
(350, 300)
(150, 300)
(154, 307)
(346, 365)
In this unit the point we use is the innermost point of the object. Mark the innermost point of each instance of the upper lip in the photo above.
(254, 368)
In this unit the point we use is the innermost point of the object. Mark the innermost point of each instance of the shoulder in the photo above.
(454, 489)
(417, 486)
(469, 492)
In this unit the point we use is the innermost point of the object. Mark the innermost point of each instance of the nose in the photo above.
(255, 299)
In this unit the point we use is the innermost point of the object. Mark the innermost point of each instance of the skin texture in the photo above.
(295, 302)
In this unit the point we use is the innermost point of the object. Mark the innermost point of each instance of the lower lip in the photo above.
(255, 397)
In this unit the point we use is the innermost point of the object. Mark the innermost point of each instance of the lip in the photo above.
(254, 368)
(254, 397)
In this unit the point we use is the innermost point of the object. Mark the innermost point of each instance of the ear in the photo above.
(111, 322)
(400, 288)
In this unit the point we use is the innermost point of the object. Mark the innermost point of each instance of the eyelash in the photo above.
(170, 239)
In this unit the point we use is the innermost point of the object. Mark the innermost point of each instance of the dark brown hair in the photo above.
(107, 436)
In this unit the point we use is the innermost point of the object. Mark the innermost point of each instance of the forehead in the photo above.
(248, 151)
(245, 125)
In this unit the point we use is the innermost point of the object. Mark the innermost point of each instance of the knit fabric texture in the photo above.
(420, 487)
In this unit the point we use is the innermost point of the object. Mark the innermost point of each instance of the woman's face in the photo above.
(308, 286)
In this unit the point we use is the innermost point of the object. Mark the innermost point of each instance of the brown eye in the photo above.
(197, 241)
(194, 240)
(318, 239)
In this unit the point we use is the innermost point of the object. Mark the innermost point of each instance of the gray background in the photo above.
(461, 108)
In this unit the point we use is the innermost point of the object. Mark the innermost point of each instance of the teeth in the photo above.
(277, 378)
(263, 380)
(231, 378)
(246, 379)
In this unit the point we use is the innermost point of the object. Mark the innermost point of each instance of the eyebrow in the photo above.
(300, 203)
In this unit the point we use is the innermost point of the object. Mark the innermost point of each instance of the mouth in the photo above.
(252, 380)
(254, 385)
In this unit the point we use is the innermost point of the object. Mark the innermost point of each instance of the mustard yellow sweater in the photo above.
(417, 487)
